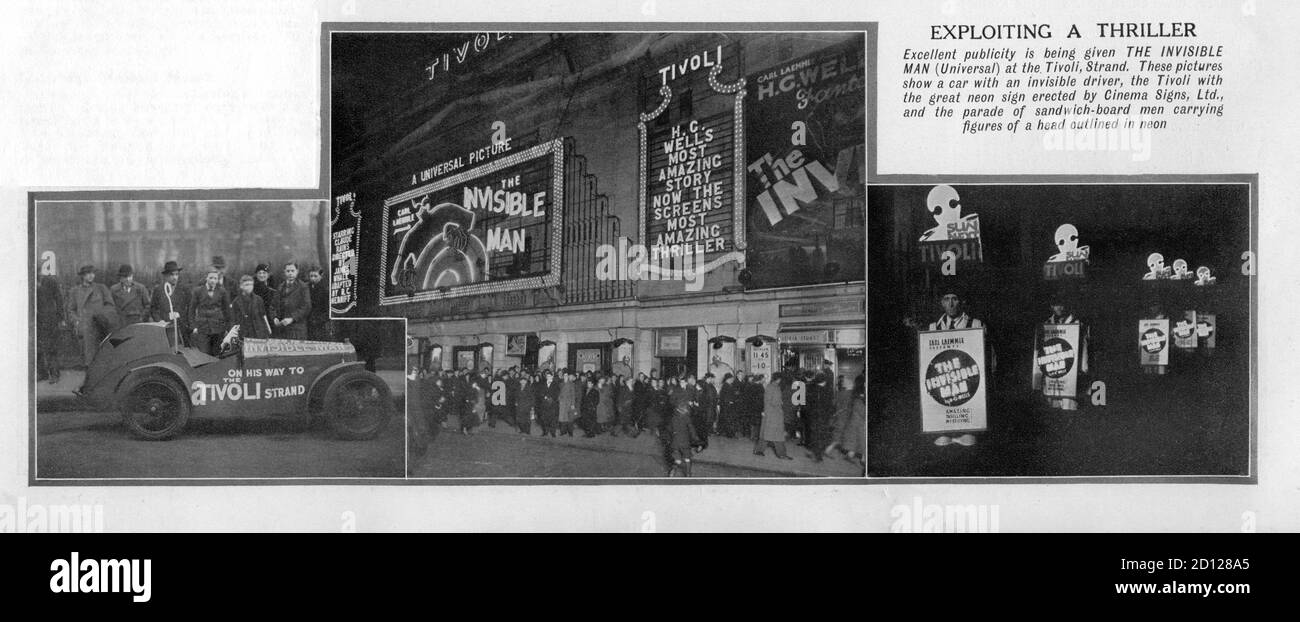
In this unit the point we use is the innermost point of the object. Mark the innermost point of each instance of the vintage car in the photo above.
(156, 386)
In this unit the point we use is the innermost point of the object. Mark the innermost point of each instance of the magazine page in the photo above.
(931, 266)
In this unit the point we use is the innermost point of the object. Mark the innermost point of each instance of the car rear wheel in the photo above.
(358, 405)
(154, 406)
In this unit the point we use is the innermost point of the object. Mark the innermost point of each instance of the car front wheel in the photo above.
(154, 406)
(358, 405)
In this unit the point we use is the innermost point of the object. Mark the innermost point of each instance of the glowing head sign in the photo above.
(1203, 276)
(1156, 268)
(1070, 260)
(1067, 242)
(952, 232)
(493, 228)
(945, 205)
(1180, 270)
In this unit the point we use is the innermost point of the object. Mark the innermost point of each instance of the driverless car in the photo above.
(157, 385)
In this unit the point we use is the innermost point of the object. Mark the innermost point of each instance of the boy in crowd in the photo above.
(209, 313)
(318, 321)
(248, 311)
(293, 305)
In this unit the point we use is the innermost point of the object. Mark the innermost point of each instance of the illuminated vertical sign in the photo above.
(345, 239)
(692, 167)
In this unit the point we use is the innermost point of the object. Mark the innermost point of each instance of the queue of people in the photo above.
(681, 414)
(201, 315)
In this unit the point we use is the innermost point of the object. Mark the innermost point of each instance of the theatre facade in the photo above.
(623, 201)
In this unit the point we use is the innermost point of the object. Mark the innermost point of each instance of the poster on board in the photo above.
(1153, 341)
(954, 391)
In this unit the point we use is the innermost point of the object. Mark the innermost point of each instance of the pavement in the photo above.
(722, 451)
(511, 456)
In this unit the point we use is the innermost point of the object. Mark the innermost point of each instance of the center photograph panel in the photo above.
(621, 254)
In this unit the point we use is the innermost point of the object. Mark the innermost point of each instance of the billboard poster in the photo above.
(670, 342)
(722, 359)
(805, 166)
(1056, 360)
(546, 356)
(589, 360)
(345, 239)
(517, 344)
(1153, 341)
(1185, 331)
(954, 390)
(485, 229)
(760, 360)
(465, 358)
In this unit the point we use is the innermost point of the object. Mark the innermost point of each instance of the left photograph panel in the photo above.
(191, 340)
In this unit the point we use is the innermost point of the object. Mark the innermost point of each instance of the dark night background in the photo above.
(388, 120)
(1193, 421)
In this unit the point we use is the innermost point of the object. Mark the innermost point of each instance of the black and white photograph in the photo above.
(339, 266)
(621, 254)
(1061, 330)
(192, 339)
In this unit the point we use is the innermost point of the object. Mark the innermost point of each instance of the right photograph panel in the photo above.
(1060, 330)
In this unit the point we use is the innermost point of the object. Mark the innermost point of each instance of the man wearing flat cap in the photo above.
(170, 302)
(130, 298)
(91, 312)
(292, 305)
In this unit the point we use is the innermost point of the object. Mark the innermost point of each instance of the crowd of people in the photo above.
(824, 416)
(201, 315)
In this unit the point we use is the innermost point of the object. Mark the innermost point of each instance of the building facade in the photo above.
(623, 202)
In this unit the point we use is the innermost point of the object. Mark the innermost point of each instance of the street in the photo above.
(492, 454)
(72, 442)
(83, 444)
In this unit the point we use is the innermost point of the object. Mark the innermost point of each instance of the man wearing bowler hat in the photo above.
(130, 298)
(170, 301)
(91, 311)
(228, 284)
